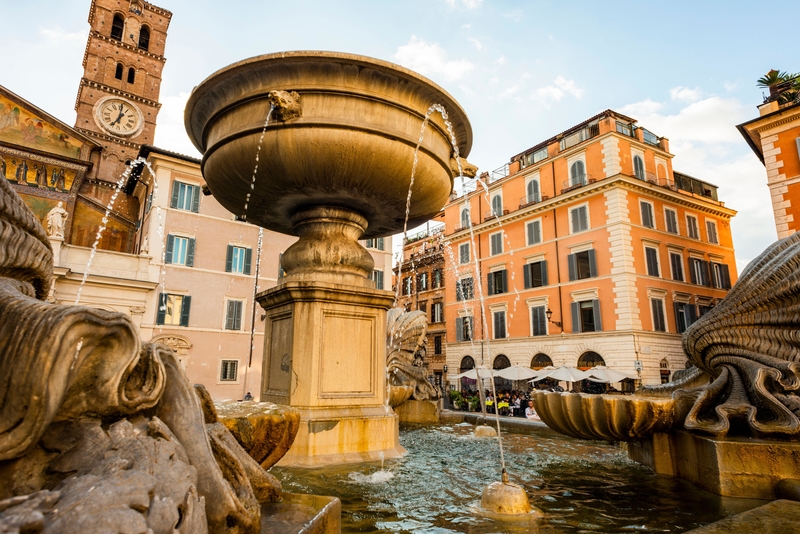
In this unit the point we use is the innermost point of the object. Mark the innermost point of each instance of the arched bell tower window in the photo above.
(118, 73)
(131, 75)
(117, 27)
(144, 38)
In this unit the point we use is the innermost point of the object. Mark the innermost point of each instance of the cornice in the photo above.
(791, 117)
(86, 82)
(130, 48)
(109, 138)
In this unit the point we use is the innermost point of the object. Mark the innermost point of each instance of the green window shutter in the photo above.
(543, 263)
(196, 198)
(239, 313)
(380, 243)
(229, 314)
(505, 280)
(598, 323)
(592, 263)
(190, 253)
(248, 256)
(576, 317)
(170, 247)
(229, 259)
(691, 314)
(162, 308)
(187, 303)
(173, 203)
(572, 267)
(706, 273)
(576, 220)
(726, 277)
(490, 283)
(526, 275)
(459, 329)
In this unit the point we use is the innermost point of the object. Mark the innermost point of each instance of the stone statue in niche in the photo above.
(56, 220)
(406, 346)
(98, 431)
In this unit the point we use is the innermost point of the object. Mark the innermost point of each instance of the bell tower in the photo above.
(117, 103)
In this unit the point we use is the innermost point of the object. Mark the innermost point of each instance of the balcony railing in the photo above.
(593, 130)
(626, 129)
(492, 215)
(528, 200)
(458, 229)
(499, 173)
(651, 178)
(649, 137)
(578, 181)
(423, 234)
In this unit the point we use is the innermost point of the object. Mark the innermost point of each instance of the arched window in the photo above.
(117, 27)
(131, 75)
(662, 172)
(497, 205)
(577, 173)
(501, 362)
(665, 372)
(466, 222)
(533, 192)
(590, 359)
(467, 363)
(144, 38)
(118, 73)
(638, 167)
(540, 361)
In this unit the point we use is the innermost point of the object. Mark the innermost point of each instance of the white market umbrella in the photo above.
(564, 374)
(516, 372)
(604, 375)
(472, 374)
(541, 374)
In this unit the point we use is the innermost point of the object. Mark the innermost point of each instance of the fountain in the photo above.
(336, 161)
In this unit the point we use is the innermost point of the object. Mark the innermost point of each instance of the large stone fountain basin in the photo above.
(352, 146)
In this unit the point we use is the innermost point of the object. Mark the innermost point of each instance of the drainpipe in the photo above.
(558, 262)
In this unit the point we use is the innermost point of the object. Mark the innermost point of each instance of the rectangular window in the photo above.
(185, 197)
(233, 315)
(538, 321)
(659, 321)
(537, 156)
(463, 328)
(647, 214)
(496, 243)
(437, 278)
(437, 315)
(535, 274)
(691, 227)
(463, 253)
(499, 320)
(375, 243)
(173, 309)
(238, 260)
(437, 344)
(422, 282)
(497, 282)
(377, 277)
(671, 217)
(582, 265)
(699, 272)
(721, 275)
(423, 307)
(676, 262)
(407, 285)
(711, 232)
(685, 315)
(579, 218)
(180, 251)
(228, 370)
(464, 289)
(586, 316)
(534, 231)
(651, 255)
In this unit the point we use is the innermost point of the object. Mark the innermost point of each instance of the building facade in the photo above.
(422, 282)
(588, 249)
(775, 138)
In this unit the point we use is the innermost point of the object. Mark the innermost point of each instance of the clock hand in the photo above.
(121, 114)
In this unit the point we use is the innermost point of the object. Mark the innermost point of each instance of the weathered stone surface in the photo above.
(265, 431)
(414, 411)
(777, 516)
(406, 346)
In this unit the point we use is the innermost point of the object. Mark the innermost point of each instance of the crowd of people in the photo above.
(512, 403)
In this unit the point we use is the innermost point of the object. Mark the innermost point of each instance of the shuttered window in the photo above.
(676, 262)
(496, 243)
(180, 251)
(586, 316)
(721, 276)
(233, 315)
(579, 218)
(685, 315)
(377, 277)
(651, 256)
(671, 217)
(463, 328)
(436, 312)
(499, 319)
(691, 227)
(463, 253)
(464, 289)
(711, 232)
(173, 309)
(534, 232)
(699, 271)
(638, 167)
(647, 214)
(659, 321)
(238, 259)
(538, 321)
(535, 274)
(582, 265)
(497, 282)
(185, 197)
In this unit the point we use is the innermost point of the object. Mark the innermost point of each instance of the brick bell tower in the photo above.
(117, 104)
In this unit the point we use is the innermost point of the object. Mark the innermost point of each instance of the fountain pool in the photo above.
(581, 486)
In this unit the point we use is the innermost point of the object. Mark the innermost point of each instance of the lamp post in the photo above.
(549, 314)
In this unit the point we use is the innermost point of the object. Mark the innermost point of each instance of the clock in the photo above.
(118, 117)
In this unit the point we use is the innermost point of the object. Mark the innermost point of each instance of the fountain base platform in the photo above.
(302, 514)
(777, 516)
(731, 467)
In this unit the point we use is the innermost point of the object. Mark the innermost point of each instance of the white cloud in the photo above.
(501, 60)
(431, 59)
(57, 35)
(527, 75)
(731, 86)
(466, 26)
(509, 91)
(684, 94)
(469, 4)
(171, 133)
(641, 109)
(556, 91)
(475, 42)
(515, 15)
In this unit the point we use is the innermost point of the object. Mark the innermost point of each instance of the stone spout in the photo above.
(286, 105)
(463, 167)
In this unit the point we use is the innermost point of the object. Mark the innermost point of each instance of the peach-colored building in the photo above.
(775, 138)
(206, 262)
(590, 249)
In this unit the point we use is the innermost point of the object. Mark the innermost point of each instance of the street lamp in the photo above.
(549, 314)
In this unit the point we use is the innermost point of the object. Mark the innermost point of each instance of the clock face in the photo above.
(119, 117)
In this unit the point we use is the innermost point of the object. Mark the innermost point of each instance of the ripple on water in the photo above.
(581, 486)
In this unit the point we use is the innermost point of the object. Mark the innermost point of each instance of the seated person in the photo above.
(530, 412)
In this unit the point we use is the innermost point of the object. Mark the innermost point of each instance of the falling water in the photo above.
(255, 168)
(101, 229)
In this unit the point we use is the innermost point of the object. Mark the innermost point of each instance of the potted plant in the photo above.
(456, 398)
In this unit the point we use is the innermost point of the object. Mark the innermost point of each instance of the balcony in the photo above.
(569, 141)
(499, 173)
(529, 200)
(460, 228)
(493, 215)
(577, 182)
(650, 138)
(626, 129)
(651, 178)
(424, 234)
(693, 185)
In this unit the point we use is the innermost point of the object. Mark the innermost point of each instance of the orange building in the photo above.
(589, 249)
(775, 138)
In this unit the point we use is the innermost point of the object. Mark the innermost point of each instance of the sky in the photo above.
(523, 70)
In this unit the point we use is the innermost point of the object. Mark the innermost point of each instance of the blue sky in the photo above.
(523, 71)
